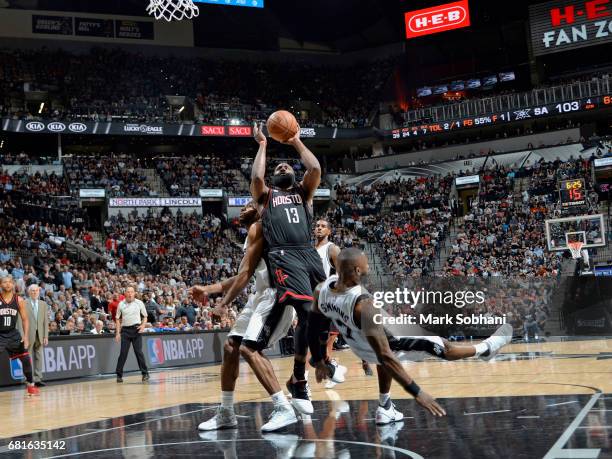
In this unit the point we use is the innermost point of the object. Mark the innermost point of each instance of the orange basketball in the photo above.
(282, 125)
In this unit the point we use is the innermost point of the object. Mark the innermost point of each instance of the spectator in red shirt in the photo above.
(112, 306)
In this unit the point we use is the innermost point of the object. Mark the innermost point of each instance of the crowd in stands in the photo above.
(185, 176)
(189, 247)
(105, 84)
(119, 175)
(502, 235)
(83, 296)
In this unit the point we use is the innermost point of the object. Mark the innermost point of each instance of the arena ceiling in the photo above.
(338, 25)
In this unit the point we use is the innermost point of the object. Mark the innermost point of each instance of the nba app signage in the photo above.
(564, 25)
(441, 18)
(69, 358)
(172, 350)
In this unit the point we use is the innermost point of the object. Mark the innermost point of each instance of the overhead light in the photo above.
(181, 109)
(42, 105)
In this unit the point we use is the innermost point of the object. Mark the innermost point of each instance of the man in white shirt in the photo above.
(131, 318)
(99, 329)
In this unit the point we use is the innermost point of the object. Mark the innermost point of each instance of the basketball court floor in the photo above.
(551, 400)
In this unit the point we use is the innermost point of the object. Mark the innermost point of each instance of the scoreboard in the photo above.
(249, 3)
(500, 118)
(572, 193)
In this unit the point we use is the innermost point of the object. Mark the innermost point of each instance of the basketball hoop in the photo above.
(173, 10)
(575, 248)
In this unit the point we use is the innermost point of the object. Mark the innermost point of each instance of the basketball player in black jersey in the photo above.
(12, 304)
(293, 263)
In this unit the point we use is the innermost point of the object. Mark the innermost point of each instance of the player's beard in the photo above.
(283, 180)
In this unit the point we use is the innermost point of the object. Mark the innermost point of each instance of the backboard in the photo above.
(589, 229)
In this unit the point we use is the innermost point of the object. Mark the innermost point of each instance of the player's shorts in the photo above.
(11, 342)
(333, 330)
(295, 272)
(418, 346)
(262, 323)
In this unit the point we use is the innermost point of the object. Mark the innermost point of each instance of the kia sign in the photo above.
(56, 127)
(35, 126)
(563, 25)
(440, 18)
(77, 128)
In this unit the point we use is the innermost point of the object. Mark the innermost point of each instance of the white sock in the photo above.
(383, 399)
(279, 399)
(481, 349)
(227, 399)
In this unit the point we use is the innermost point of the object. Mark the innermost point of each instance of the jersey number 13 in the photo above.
(292, 215)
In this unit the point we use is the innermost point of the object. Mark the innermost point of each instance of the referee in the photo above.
(131, 318)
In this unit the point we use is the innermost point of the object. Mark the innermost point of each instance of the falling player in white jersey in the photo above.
(342, 300)
(328, 251)
(250, 321)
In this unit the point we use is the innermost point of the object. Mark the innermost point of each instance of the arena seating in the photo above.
(113, 84)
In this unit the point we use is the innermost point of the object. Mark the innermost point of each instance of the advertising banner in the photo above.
(138, 30)
(54, 25)
(93, 27)
(437, 19)
(155, 202)
(163, 129)
(563, 25)
(90, 355)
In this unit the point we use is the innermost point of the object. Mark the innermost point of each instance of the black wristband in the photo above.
(413, 389)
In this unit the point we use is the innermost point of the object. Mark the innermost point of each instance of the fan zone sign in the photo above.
(563, 25)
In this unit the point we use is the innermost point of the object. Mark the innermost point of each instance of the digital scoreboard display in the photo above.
(572, 192)
(249, 3)
(494, 119)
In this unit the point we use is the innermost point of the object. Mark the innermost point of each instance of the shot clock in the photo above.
(572, 192)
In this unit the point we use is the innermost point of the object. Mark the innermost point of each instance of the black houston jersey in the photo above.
(287, 218)
(8, 314)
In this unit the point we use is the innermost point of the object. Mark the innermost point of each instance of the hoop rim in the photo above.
(575, 248)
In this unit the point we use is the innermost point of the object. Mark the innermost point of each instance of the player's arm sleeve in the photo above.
(25, 321)
(259, 190)
(318, 330)
(248, 264)
(312, 177)
(365, 317)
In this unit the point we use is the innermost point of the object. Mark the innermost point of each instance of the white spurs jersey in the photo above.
(339, 308)
(262, 280)
(325, 258)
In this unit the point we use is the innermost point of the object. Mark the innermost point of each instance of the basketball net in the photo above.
(575, 248)
(173, 10)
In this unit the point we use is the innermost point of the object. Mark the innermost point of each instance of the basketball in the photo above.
(282, 125)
